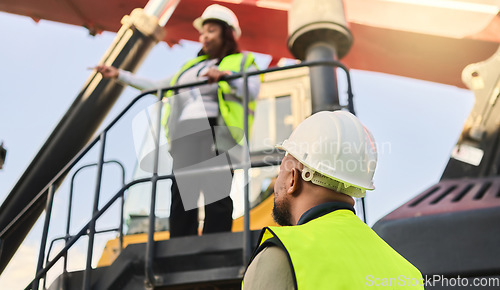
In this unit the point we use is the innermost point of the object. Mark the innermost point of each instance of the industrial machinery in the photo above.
(438, 230)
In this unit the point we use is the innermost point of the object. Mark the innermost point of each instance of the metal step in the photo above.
(211, 261)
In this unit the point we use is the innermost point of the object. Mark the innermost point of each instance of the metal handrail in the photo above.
(90, 226)
(70, 202)
(83, 231)
(70, 236)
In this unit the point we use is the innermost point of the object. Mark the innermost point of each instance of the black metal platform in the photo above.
(212, 261)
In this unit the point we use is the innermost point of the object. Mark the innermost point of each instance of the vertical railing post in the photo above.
(68, 226)
(87, 274)
(43, 243)
(150, 247)
(247, 240)
(122, 205)
(350, 95)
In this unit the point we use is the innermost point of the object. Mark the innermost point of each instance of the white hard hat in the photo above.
(337, 152)
(218, 12)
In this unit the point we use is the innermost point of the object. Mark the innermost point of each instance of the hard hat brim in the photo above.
(281, 147)
(198, 25)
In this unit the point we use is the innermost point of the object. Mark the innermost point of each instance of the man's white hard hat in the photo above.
(218, 12)
(337, 152)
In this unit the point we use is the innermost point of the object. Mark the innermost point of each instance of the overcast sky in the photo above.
(44, 65)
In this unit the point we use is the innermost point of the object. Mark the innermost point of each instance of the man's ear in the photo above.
(295, 178)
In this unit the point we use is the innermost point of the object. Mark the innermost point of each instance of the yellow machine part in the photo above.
(112, 248)
(260, 216)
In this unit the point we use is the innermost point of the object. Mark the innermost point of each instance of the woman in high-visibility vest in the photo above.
(220, 101)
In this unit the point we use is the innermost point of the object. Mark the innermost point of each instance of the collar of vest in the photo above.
(322, 209)
(309, 215)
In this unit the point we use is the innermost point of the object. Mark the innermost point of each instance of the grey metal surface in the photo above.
(318, 31)
(313, 21)
(450, 229)
(324, 91)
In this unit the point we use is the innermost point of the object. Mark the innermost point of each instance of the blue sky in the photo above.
(43, 66)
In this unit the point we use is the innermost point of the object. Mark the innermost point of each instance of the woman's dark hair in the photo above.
(229, 44)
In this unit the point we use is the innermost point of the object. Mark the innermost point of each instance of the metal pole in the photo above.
(247, 239)
(364, 209)
(68, 224)
(87, 274)
(41, 255)
(150, 278)
(122, 205)
(317, 31)
(324, 91)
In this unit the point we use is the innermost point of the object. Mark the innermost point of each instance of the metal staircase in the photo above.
(213, 261)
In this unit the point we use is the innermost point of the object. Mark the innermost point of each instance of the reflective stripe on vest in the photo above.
(230, 105)
(339, 251)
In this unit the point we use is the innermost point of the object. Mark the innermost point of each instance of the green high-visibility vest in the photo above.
(230, 105)
(339, 251)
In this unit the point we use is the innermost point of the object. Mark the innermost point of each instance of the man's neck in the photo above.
(315, 197)
(323, 209)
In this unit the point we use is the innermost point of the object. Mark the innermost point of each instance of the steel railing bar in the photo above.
(84, 229)
(90, 250)
(43, 243)
(70, 205)
(247, 239)
(47, 260)
(149, 271)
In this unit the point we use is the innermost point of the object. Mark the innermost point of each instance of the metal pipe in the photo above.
(43, 243)
(318, 31)
(323, 79)
(83, 231)
(150, 278)
(122, 205)
(70, 205)
(247, 239)
(90, 250)
(363, 208)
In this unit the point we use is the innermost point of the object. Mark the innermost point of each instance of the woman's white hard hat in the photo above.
(218, 12)
(338, 147)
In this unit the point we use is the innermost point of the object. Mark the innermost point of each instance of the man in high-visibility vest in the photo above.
(322, 244)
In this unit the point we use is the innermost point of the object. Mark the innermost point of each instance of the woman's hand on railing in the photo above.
(214, 75)
(108, 72)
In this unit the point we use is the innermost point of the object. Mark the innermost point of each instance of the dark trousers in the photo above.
(187, 151)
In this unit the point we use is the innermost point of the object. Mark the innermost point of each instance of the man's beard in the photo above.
(281, 213)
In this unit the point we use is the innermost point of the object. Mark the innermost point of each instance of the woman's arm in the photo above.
(140, 83)
(128, 78)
